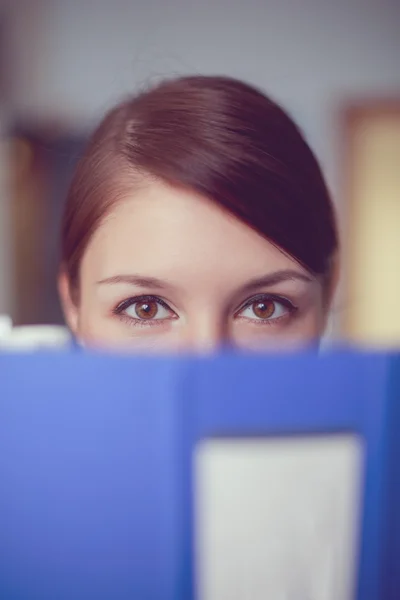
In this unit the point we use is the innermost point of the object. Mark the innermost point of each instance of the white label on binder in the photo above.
(277, 519)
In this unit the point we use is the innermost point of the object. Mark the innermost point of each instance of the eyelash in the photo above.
(291, 308)
(123, 306)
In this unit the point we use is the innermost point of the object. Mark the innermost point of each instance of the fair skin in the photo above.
(169, 270)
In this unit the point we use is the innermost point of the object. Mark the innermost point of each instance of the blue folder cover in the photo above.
(96, 469)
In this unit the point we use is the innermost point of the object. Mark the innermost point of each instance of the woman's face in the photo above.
(168, 270)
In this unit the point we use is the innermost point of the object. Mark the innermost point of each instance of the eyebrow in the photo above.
(137, 280)
(275, 278)
(267, 280)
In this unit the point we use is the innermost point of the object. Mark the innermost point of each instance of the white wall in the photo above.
(309, 54)
(75, 57)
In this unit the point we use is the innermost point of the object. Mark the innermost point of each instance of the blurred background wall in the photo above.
(66, 61)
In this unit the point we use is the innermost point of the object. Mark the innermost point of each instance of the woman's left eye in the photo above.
(266, 309)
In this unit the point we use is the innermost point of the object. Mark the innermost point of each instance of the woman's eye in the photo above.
(148, 310)
(266, 309)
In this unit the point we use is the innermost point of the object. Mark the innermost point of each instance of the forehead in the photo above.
(174, 233)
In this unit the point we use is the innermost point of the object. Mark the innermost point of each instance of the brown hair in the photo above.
(221, 138)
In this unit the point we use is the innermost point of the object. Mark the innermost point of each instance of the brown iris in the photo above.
(146, 310)
(264, 309)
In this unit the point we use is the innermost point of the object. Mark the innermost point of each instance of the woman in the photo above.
(198, 217)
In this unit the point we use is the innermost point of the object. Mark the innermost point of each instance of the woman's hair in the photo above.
(220, 138)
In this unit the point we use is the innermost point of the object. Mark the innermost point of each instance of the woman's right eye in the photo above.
(145, 309)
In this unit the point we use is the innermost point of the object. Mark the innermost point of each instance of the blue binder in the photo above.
(96, 462)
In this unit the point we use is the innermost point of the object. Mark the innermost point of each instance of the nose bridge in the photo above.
(206, 332)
